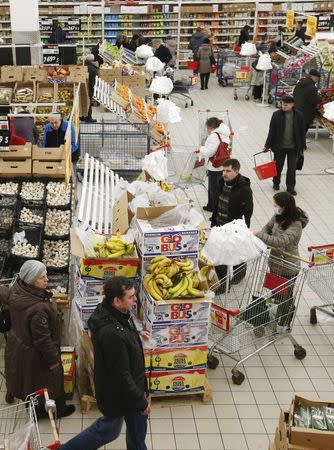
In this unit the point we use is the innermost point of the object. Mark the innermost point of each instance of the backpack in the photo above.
(221, 155)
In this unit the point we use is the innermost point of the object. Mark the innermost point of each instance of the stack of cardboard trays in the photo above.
(16, 162)
(48, 162)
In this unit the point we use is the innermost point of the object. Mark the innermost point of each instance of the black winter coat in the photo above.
(93, 72)
(119, 367)
(241, 201)
(163, 54)
(306, 98)
(276, 130)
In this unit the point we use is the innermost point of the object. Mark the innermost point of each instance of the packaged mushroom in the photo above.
(57, 195)
(31, 216)
(56, 253)
(26, 242)
(6, 218)
(9, 188)
(5, 245)
(57, 222)
(24, 95)
(5, 95)
(33, 191)
(25, 250)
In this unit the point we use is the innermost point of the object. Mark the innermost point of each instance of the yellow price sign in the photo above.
(290, 20)
(311, 26)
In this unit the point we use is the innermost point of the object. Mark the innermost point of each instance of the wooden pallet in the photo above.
(87, 403)
(187, 398)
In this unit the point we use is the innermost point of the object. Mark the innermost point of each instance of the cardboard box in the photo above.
(51, 169)
(12, 169)
(146, 261)
(179, 359)
(171, 382)
(68, 362)
(109, 75)
(35, 73)
(88, 287)
(17, 152)
(171, 241)
(11, 74)
(87, 347)
(122, 215)
(46, 92)
(48, 154)
(22, 85)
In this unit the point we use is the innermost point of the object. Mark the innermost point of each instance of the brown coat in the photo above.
(205, 55)
(33, 343)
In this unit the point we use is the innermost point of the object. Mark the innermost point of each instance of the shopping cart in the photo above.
(255, 306)
(321, 279)
(181, 89)
(185, 167)
(227, 64)
(204, 115)
(19, 426)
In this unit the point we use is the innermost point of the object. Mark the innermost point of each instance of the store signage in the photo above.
(51, 55)
(290, 20)
(46, 24)
(311, 26)
(73, 24)
(324, 21)
(4, 134)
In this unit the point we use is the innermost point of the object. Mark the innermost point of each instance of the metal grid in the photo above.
(119, 144)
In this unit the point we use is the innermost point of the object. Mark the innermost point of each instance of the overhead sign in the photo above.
(290, 20)
(51, 55)
(46, 25)
(311, 26)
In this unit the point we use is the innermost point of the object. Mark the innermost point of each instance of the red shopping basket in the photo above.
(267, 170)
(192, 65)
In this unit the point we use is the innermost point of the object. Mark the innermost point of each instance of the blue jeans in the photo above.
(105, 430)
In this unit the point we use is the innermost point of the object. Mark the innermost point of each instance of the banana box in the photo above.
(172, 382)
(148, 358)
(178, 334)
(87, 287)
(68, 362)
(175, 310)
(171, 241)
(146, 261)
(109, 268)
(179, 359)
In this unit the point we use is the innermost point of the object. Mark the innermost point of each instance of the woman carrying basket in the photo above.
(218, 132)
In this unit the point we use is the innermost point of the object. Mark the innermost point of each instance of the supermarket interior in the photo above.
(166, 225)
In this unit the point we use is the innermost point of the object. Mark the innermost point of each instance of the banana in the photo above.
(116, 254)
(192, 291)
(160, 266)
(186, 265)
(146, 279)
(163, 280)
(202, 274)
(158, 259)
(183, 289)
(154, 290)
(172, 270)
(195, 280)
(175, 288)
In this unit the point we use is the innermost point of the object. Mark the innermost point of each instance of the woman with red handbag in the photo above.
(205, 60)
(214, 151)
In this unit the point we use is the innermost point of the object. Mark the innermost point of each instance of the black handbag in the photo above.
(300, 162)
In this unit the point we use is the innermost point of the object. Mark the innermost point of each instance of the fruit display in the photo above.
(139, 107)
(46, 110)
(123, 91)
(114, 247)
(24, 95)
(112, 50)
(172, 278)
(6, 94)
(61, 72)
(151, 111)
(159, 127)
(65, 94)
(45, 97)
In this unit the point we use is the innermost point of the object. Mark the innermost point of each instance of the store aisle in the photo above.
(245, 417)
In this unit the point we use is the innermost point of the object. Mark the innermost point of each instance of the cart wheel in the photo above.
(192, 103)
(259, 332)
(270, 100)
(277, 105)
(9, 398)
(235, 97)
(222, 82)
(300, 352)
(313, 316)
(237, 377)
(212, 362)
(246, 97)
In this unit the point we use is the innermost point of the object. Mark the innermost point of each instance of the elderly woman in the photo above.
(32, 354)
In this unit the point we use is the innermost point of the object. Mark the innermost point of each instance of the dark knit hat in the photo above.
(287, 99)
(314, 72)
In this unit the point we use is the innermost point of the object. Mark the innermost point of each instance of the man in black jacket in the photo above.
(306, 97)
(161, 51)
(119, 372)
(286, 138)
(234, 201)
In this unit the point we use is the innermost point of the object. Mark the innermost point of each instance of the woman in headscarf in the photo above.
(32, 354)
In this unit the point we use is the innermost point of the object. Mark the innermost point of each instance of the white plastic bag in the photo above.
(144, 51)
(20, 439)
(329, 111)
(161, 86)
(153, 64)
(232, 244)
(172, 218)
(248, 49)
(141, 201)
(264, 62)
(168, 112)
(155, 165)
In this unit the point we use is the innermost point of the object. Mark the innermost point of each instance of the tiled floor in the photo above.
(245, 416)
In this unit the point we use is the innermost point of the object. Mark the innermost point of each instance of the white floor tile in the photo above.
(210, 442)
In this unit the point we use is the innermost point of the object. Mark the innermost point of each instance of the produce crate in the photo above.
(65, 93)
(33, 186)
(118, 98)
(11, 74)
(64, 201)
(52, 266)
(16, 152)
(33, 234)
(59, 236)
(48, 169)
(37, 211)
(29, 98)
(46, 92)
(48, 154)
(10, 187)
(7, 219)
(13, 169)
(34, 74)
(5, 245)
(8, 200)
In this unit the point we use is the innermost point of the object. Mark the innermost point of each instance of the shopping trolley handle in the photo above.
(290, 255)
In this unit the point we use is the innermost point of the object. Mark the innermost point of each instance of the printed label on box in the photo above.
(183, 381)
(182, 358)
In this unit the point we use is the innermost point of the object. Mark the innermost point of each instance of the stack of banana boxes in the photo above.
(178, 327)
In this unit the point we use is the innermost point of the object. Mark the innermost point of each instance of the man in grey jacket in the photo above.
(196, 40)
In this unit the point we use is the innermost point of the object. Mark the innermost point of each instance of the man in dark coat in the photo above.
(196, 40)
(93, 72)
(234, 201)
(161, 51)
(119, 372)
(306, 97)
(286, 138)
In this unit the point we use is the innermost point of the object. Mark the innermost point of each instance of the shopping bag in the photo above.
(248, 49)
(300, 162)
(329, 111)
(161, 86)
(153, 64)
(144, 51)
(264, 62)
(221, 155)
(192, 65)
(155, 165)
(213, 68)
(167, 111)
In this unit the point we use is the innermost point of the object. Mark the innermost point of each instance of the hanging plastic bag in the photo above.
(172, 218)
(144, 52)
(153, 64)
(168, 112)
(161, 86)
(155, 165)
(264, 62)
(248, 49)
(141, 201)
(232, 244)
(329, 111)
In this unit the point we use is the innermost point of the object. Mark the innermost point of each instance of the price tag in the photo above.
(73, 25)
(51, 55)
(46, 24)
(4, 135)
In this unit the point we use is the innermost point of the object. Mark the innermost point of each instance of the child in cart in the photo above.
(283, 232)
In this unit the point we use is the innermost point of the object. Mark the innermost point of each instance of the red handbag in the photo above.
(213, 68)
(221, 155)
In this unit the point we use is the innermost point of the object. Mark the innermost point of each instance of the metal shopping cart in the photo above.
(255, 306)
(19, 426)
(242, 80)
(181, 89)
(204, 115)
(321, 279)
(185, 168)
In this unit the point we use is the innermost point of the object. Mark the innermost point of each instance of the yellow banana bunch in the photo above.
(160, 287)
(167, 187)
(114, 247)
(186, 266)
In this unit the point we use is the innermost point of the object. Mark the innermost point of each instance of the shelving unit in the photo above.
(5, 28)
